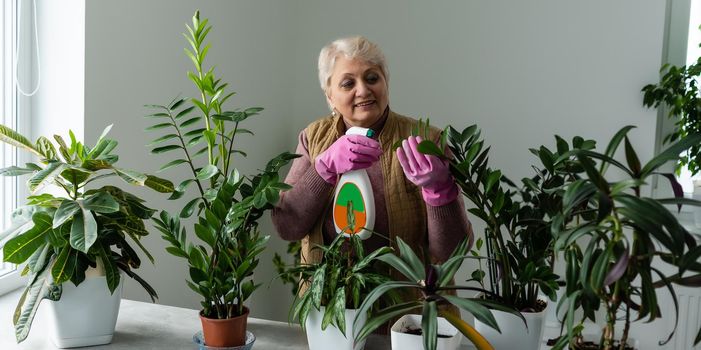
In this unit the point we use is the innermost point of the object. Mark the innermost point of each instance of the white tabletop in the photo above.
(150, 326)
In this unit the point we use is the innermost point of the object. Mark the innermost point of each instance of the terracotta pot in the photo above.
(229, 332)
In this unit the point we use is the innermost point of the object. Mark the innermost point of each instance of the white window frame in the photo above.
(16, 114)
(674, 51)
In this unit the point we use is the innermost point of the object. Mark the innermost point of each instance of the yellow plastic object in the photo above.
(472, 334)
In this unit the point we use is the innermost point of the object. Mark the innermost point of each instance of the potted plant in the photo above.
(631, 241)
(332, 291)
(434, 285)
(517, 238)
(678, 90)
(228, 204)
(67, 237)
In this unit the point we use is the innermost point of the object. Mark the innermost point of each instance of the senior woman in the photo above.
(415, 196)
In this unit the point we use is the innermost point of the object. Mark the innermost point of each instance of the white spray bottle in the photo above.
(354, 202)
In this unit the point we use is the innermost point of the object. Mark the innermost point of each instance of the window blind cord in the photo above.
(19, 42)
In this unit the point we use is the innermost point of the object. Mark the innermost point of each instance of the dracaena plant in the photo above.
(228, 204)
(678, 90)
(517, 237)
(433, 286)
(339, 281)
(623, 245)
(60, 236)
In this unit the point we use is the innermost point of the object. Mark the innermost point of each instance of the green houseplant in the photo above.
(434, 285)
(333, 290)
(60, 236)
(678, 89)
(518, 239)
(228, 204)
(632, 240)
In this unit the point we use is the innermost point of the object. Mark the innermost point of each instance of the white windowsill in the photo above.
(11, 281)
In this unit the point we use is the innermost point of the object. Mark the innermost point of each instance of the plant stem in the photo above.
(187, 155)
(231, 147)
(626, 329)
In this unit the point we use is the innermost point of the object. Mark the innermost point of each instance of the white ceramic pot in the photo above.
(514, 334)
(331, 337)
(85, 315)
(405, 341)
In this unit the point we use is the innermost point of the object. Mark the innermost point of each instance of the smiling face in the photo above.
(357, 90)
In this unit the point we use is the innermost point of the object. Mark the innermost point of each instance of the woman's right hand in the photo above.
(349, 152)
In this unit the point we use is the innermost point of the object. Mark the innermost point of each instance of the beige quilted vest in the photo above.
(405, 206)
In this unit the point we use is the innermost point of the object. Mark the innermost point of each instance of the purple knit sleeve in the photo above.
(300, 207)
(447, 227)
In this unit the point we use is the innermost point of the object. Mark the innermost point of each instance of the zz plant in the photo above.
(517, 236)
(228, 204)
(623, 245)
(60, 236)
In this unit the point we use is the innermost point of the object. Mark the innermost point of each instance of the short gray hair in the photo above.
(356, 47)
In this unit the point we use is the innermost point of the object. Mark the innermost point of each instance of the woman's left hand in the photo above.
(428, 172)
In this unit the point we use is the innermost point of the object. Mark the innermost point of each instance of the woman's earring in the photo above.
(334, 112)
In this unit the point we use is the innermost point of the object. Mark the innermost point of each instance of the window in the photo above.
(693, 51)
(681, 46)
(11, 107)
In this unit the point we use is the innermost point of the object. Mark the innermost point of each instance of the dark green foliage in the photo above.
(228, 205)
(518, 236)
(678, 90)
(433, 282)
(60, 237)
(629, 237)
(340, 281)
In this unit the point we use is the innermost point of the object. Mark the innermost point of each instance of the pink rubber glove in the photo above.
(428, 172)
(349, 152)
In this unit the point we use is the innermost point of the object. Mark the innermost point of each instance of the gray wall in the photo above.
(523, 71)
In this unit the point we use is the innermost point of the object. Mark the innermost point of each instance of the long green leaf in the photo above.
(83, 231)
(159, 184)
(20, 248)
(131, 177)
(379, 291)
(382, 316)
(64, 265)
(412, 260)
(39, 289)
(189, 208)
(317, 286)
(451, 266)
(429, 325)
(65, 212)
(39, 258)
(45, 176)
(671, 153)
(401, 266)
(207, 172)
(14, 138)
(370, 258)
(15, 171)
(476, 309)
(172, 164)
(101, 202)
(111, 271)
